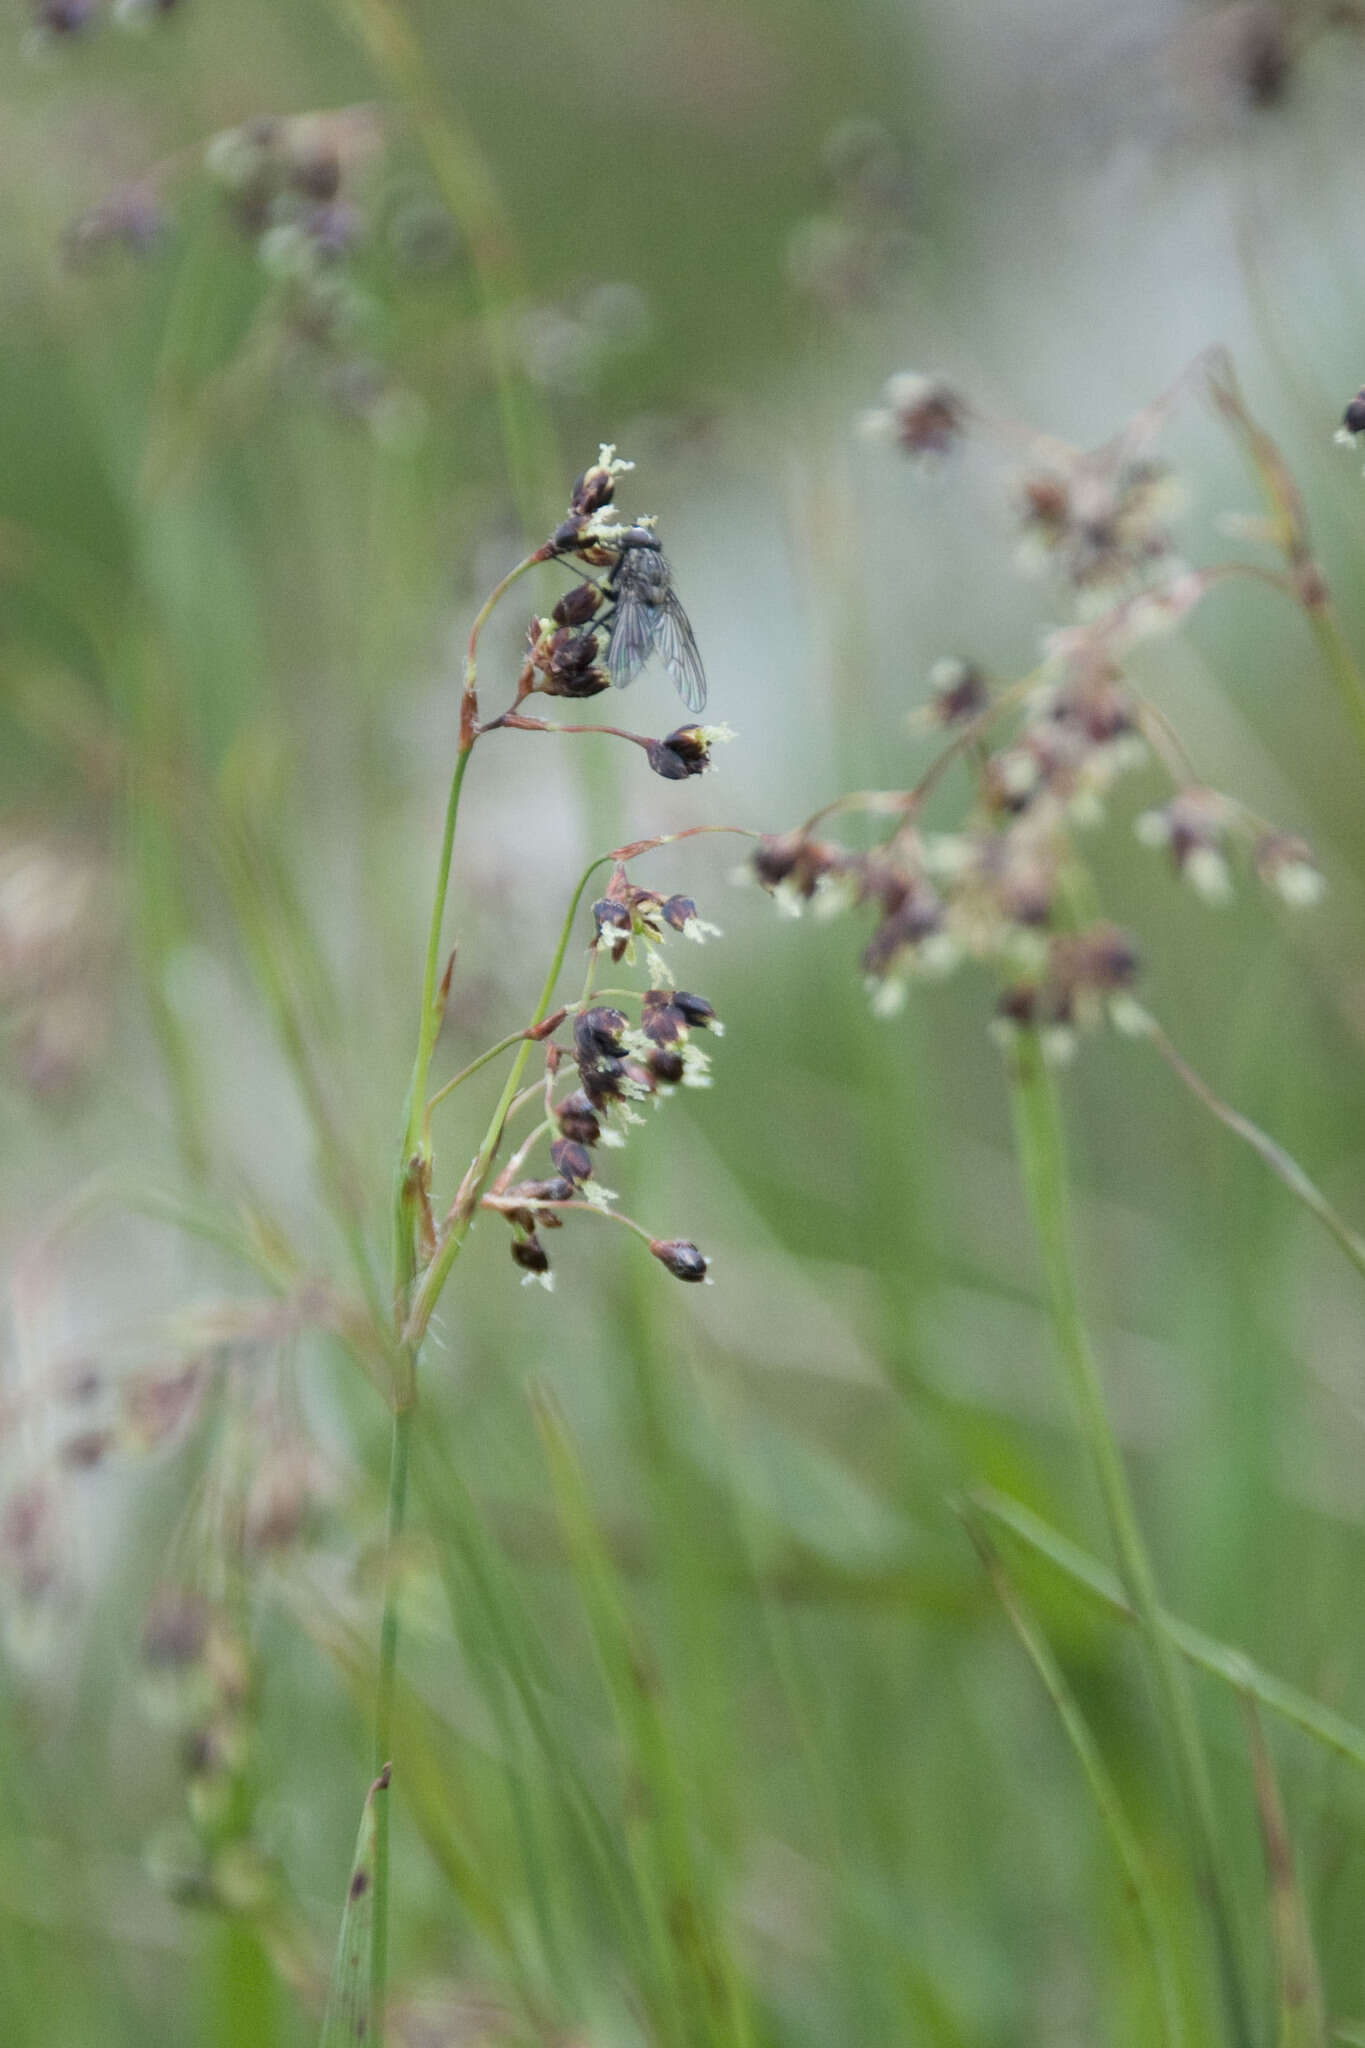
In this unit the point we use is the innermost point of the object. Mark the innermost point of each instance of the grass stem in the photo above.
(1042, 1158)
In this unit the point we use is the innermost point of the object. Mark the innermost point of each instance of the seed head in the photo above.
(530, 1254)
(597, 1034)
(578, 605)
(680, 1257)
(578, 1119)
(571, 1159)
(1285, 863)
(960, 692)
(921, 415)
(1353, 419)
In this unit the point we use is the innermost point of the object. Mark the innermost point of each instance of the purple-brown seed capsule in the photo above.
(578, 1119)
(679, 911)
(572, 1160)
(578, 605)
(597, 1034)
(671, 766)
(682, 1259)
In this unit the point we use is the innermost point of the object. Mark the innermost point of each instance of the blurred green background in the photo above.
(238, 556)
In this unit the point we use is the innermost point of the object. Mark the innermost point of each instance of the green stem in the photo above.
(466, 1073)
(383, 1708)
(1042, 1158)
(1341, 665)
(416, 1142)
(438, 1272)
(416, 1145)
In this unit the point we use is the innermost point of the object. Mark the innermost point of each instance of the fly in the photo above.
(647, 618)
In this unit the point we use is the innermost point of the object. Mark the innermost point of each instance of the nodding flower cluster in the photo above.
(618, 1066)
(570, 650)
(1010, 887)
(856, 244)
(622, 1047)
(295, 187)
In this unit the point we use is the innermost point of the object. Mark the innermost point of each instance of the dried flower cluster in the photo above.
(617, 1066)
(848, 251)
(616, 1059)
(1009, 887)
(298, 188)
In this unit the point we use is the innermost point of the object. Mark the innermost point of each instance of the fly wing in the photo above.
(631, 640)
(677, 647)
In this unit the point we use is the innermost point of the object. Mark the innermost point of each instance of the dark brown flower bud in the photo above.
(594, 489)
(775, 858)
(556, 1190)
(682, 1259)
(578, 605)
(572, 652)
(671, 766)
(667, 1066)
(695, 1010)
(960, 691)
(1353, 419)
(530, 1254)
(572, 1160)
(603, 1081)
(597, 1034)
(614, 925)
(560, 681)
(578, 1119)
(690, 743)
(660, 1021)
(679, 912)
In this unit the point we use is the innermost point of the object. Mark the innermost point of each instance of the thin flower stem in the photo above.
(438, 1272)
(399, 1459)
(1341, 665)
(514, 721)
(533, 1031)
(504, 1203)
(1280, 1162)
(1042, 1159)
(415, 1141)
(416, 1145)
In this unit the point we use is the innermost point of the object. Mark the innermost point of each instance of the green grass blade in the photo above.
(350, 2015)
(698, 1995)
(1219, 1659)
(1299, 2021)
(1136, 1874)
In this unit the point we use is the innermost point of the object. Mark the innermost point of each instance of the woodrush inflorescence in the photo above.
(1010, 887)
(617, 1064)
